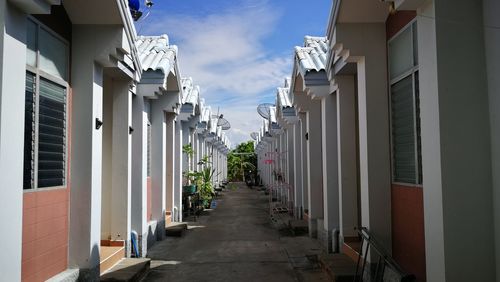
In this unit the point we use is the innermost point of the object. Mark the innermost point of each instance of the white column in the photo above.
(170, 162)
(186, 139)
(139, 171)
(177, 215)
(456, 144)
(12, 95)
(330, 169)
(297, 168)
(370, 55)
(348, 156)
(314, 163)
(86, 156)
(121, 163)
(158, 167)
(305, 163)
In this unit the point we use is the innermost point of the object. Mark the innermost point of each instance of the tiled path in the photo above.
(235, 242)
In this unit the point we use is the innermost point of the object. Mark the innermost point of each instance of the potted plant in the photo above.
(189, 176)
(206, 189)
(203, 180)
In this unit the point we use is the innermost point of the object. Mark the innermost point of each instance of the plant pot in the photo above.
(190, 189)
(207, 204)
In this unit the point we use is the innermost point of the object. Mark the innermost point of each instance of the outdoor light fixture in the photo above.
(392, 6)
(98, 123)
(130, 130)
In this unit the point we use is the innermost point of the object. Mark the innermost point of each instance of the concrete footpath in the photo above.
(236, 241)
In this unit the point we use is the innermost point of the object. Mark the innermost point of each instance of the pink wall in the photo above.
(45, 234)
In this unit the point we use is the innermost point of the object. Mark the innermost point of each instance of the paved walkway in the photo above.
(235, 242)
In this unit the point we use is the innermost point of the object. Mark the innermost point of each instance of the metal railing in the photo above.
(384, 261)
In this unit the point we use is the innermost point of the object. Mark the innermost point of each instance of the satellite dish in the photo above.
(264, 110)
(254, 135)
(224, 123)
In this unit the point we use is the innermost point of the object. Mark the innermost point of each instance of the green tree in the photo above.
(242, 162)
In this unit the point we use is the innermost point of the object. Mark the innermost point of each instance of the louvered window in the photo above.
(44, 134)
(405, 107)
(45, 110)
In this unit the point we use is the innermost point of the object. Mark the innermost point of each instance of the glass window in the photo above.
(403, 131)
(45, 109)
(51, 134)
(405, 108)
(53, 54)
(401, 56)
(31, 47)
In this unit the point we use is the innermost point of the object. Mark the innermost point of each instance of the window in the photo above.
(45, 112)
(405, 107)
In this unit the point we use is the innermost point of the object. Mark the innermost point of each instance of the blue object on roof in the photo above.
(134, 5)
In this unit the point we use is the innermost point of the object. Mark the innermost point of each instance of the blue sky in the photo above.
(238, 51)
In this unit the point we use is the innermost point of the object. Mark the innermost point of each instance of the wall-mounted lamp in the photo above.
(392, 6)
(98, 123)
(130, 130)
(307, 136)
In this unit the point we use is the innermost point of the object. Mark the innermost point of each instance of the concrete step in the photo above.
(176, 229)
(352, 248)
(339, 267)
(127, 270)
(109, 256)
(298, 227)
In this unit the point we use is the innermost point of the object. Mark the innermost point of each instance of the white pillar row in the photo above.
(139, 218)
(311, 109)
(290, 170)
(331, 222)
(178, 167)
(216, 165)
(347, 156)
(170, 163)
(121, 163)
(86, 156)
(369, 53)
(186, 140)
(12, 100)
(158, 168)
(283, 157)
(314, 162)
(196, 156)
(298, 171)
(305, 164)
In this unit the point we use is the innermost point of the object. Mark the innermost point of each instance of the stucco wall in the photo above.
(12, 83)
(456, 149)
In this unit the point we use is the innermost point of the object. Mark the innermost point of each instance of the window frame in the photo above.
(412, 72)
(38, 75)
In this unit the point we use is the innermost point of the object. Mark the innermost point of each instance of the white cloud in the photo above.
(224, 53)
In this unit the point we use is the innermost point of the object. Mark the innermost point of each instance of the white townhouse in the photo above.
(158, 105)
(67, 77)
(398, 133)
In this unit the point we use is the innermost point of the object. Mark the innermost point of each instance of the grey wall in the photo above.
(491, 11)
